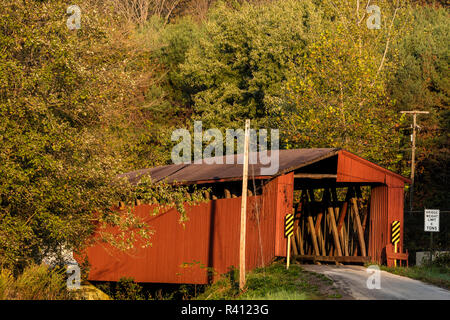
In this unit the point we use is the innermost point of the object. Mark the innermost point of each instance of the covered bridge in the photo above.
(344, 206)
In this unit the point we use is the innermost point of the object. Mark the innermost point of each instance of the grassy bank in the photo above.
(272, 283)
(430, 274)
(36, 282)
(436, 272)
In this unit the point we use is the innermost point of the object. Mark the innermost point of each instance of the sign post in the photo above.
(395, 236)
(288, 232)
(431, 225)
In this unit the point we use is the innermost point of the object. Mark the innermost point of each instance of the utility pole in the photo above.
(413, 152)
(244, 208)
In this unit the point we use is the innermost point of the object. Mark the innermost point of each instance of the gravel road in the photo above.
(353, 281)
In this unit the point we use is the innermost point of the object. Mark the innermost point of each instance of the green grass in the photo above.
(273, 282)
(434, 275)
(36, 282)
(270, 283)
(279, 295)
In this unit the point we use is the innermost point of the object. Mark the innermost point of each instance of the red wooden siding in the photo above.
(379, 236)
(211, 237)
(386, 206)
(285, 202)
(352, 168)
(395, 212)
(386, 202)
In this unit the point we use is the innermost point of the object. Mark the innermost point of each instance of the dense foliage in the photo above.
(34, 283)
(64, 105)
(336, 92)
(421, 82)
(78, 107)
(241, 59)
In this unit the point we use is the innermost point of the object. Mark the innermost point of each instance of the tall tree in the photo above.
(422, 83)
(60, 99)
(336, 92)
(241, 58)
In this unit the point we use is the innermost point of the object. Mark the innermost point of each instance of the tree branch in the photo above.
(386, 48)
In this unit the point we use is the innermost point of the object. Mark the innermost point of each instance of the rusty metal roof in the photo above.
(289, 160)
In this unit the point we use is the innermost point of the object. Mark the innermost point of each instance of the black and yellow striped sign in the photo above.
(395, 232)
(289, 225)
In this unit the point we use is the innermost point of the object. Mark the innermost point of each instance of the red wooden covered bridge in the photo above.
(344, 206)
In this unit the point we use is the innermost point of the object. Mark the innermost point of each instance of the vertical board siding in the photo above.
(209, 239)
(378, 223)
(355, 169)
(386, 203)
(395, 212)
(285, 204)
(386, 206)
(352, 168)
(162, 261)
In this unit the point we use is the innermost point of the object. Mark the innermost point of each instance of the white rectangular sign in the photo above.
(432, 220)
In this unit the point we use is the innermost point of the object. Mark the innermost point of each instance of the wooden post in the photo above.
(332, 220)
(334, 201)
(298, 233)
(288, 232)
(362, 209)
(288, 252)
(318, 220)
(413, 152)
(364, 224)
(294, 246)
(314, 234)
(357, 222)
(337, 244)
(319, 233)
(304, 231)
(395, 237)
(395, 251)
(341, 227)
(312, 230)
(413, 157)
(244, 208)
(325, 223)
(350, 232)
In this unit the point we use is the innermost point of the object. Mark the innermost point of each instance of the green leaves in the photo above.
(335, 94)
(123, 229)
(422, 83)
(66, 100)
(241, 57)
(79, 107)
